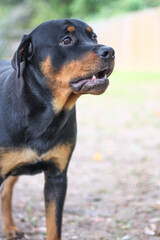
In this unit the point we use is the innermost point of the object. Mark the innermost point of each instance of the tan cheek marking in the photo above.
(59, 154)
(77, 68)
(51, 221)
(60, 94)
(13, 159)
(89, 29)
(59, 81)
(68, 72)
(46, 68)
(71, 29)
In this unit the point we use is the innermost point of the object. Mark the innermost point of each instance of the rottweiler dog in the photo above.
(54, 65)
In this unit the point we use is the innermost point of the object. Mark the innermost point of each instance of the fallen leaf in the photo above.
(74, 237)
(149, 231)
(156, 113)
(110, 151)
(97, 157)
(126, 238)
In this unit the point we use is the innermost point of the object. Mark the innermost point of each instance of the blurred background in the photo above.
(114, 175)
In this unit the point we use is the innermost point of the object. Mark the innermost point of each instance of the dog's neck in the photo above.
(31, 107)
(47, 91)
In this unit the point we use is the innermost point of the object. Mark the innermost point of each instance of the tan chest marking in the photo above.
(12, 159)
(76, 68)
(58, 81)
(59, 155)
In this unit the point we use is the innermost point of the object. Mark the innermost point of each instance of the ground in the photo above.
(114, 174)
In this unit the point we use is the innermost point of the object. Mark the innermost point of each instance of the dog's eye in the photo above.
(94, 37)
(66, 40)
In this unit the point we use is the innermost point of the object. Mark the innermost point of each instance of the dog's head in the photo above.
(66, 54)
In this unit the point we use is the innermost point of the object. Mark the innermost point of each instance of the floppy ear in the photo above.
(23, 53)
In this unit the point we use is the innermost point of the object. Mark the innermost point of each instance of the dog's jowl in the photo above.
(53, 66)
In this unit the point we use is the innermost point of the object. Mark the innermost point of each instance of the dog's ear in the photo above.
(24, 53)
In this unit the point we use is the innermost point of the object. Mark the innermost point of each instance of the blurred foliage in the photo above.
(30, 13)
(4, 11)
(82, 9)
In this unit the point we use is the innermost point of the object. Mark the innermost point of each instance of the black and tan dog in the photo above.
(54, 65)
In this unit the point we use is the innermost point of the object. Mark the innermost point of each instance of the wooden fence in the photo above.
(135, 38)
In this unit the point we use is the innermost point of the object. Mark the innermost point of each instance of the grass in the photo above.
(134, 94)
(135, 76)
(132, 86)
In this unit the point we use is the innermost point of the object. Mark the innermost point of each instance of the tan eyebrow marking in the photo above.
(71, 29)
(89, 29)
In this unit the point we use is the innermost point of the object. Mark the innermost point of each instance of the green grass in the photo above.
(129, 87)
(135, 76)
(132, 97)
(133, 86)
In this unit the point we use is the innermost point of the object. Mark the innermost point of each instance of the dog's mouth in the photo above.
(93, 84)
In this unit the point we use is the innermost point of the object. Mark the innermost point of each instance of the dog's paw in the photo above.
(14, 233)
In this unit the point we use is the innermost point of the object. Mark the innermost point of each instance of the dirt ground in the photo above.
(114, 175)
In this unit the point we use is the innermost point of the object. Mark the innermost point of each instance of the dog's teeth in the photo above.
(105, 69)
(94, 77)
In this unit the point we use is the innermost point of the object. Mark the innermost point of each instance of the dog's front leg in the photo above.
(55, 190)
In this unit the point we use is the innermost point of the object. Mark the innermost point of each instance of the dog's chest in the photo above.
(28, 161)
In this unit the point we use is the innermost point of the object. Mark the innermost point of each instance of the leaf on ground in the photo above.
(126, 238)
(126, 226)
(149, 231)
(74, 237)
(110, 151)
(97, 157)
(156, 113)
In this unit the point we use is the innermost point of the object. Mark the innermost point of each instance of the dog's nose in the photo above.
(106, 53)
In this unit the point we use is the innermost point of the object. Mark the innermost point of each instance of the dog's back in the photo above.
(5, 71)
